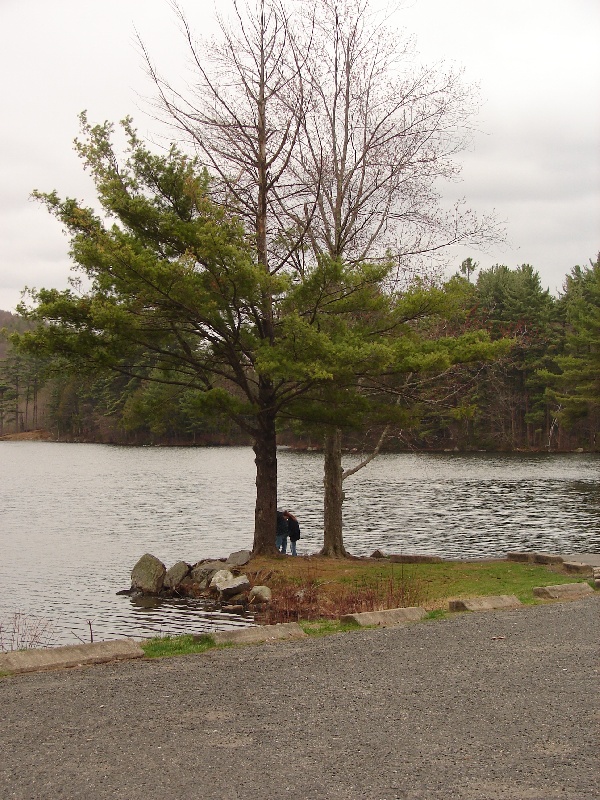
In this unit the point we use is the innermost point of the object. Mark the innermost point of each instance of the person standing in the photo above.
(282, 532)
(293, 530)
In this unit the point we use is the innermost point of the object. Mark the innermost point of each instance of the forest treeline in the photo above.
(541, 393)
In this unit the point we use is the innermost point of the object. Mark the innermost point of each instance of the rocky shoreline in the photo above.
(219, 580)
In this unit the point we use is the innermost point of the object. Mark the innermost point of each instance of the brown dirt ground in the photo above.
(27, 436)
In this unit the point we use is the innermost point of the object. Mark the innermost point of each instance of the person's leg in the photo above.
(284, 544)
(293, 547)
(279, 542)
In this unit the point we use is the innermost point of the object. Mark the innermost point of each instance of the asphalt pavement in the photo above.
(500, 705)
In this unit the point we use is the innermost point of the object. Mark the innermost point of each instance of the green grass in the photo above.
(446, 579)
(436, 583)
(437, 613)
(462, 579)
(162, 646)
(324, 627)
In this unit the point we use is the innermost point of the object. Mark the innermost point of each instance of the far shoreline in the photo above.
(41, 435)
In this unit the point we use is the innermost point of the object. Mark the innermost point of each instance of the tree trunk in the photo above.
(265, 512)
(333, 544)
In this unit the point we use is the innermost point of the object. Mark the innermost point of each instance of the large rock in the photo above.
(260, 594)
(228, 587)
(189, 588)
(220, 577)
(239, 559)
(176, 574)
(203, 573)
(210, 563)
(148, 575)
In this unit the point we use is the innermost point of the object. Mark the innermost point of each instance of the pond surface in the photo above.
(74, 519)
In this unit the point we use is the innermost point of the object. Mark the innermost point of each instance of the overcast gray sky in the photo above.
(536, 159)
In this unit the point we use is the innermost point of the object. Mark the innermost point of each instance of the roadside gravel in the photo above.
(493, 706)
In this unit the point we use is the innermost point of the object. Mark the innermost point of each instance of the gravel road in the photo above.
(493, 705)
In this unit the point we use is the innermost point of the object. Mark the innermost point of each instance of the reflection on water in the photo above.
(74, 519)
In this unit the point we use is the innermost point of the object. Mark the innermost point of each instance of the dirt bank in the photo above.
(27, 436)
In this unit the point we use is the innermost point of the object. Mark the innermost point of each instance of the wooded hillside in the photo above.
(544, 394)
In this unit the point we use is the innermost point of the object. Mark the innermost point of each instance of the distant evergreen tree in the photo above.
(575, 390)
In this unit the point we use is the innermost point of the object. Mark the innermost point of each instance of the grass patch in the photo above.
(161, 646)
(324, 627)
(311, 588)
(471, 579)
(437, 613)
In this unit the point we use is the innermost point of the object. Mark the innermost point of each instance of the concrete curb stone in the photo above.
(485, 603)
(563, 591)
(535, 558)
(391, 616)
(415, 559)
(38, 659)
(260, 634)
(577, 567)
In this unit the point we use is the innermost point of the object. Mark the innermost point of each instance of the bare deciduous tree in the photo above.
(244, 116)
(377, 137)
(326, 139)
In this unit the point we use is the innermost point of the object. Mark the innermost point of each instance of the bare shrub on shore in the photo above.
(23, 632)
(311, 598)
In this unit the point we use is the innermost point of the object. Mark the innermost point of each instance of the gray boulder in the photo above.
(176, 574)
(188, 588)
(148, 575)
(203, 572)
(239, 558)
(204, 562)
(227, 587)
(260, 594)
(222, 576)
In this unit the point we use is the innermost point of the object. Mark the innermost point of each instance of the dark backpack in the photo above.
(294, 529)
(282, 525)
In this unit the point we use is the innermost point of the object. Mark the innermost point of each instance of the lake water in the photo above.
(74, 519)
